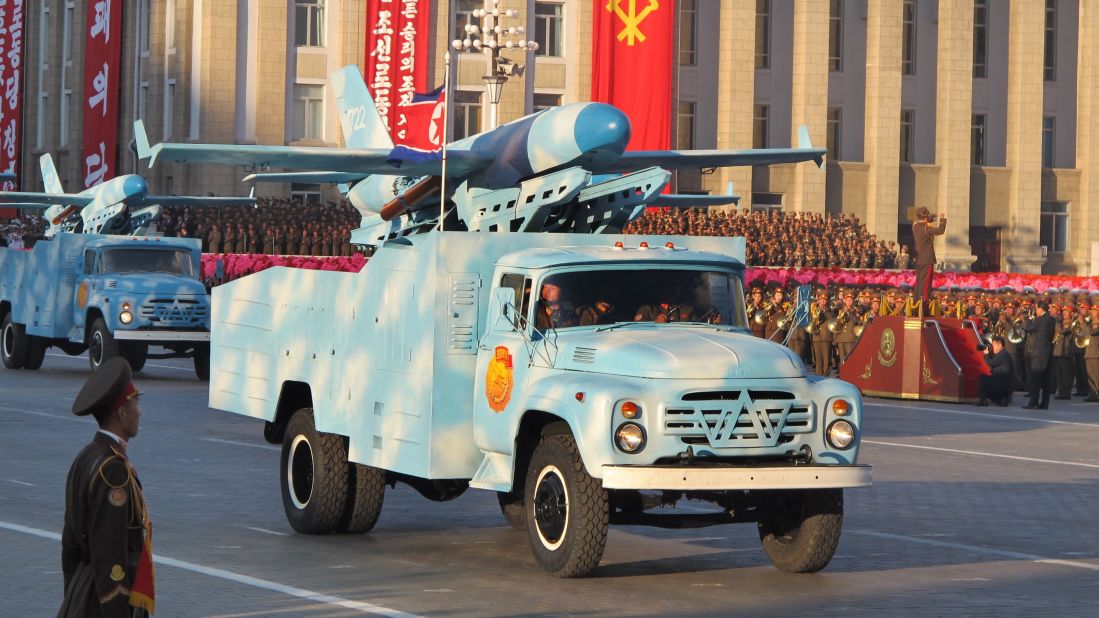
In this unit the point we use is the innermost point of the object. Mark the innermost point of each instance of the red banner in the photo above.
(632, 53)
(102, 72)
(397, 32)
(12, 20)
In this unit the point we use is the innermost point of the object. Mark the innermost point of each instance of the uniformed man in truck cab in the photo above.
(595, 313)
(553, 311)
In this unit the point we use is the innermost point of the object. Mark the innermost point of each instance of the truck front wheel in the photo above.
(566, 509)
(14, 344)
(102, 346)
(800, 530)
(314, 476)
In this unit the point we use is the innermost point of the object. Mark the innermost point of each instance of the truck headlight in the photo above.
(630, 437)
(841, 434)
(126, 317)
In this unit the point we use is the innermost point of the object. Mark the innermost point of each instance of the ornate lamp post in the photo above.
(490, 37)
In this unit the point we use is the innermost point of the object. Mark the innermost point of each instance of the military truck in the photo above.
(107, 295)
(588, 380)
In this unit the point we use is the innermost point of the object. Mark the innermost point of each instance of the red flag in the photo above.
(632, 53)
(397, 33)
(143, 590)
(12, 20)
(102, 73)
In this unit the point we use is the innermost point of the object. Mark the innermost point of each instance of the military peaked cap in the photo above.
(106, 385)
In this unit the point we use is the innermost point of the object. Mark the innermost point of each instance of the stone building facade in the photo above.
(979, 109)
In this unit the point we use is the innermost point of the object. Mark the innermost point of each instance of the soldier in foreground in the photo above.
(106, 551)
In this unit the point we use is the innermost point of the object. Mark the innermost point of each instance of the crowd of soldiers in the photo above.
(775, 238)
(20, 232)
(837, 319)
(274, 226)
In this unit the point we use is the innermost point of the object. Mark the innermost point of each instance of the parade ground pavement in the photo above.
(974, 512)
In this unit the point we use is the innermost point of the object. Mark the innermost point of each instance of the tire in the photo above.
(36, 352)
(566, 510)
(102, 345)
(513, 509)
(202, 362)
(365, 494)
(800, 530)
(135, 353)
(313, 475)
(13, 343)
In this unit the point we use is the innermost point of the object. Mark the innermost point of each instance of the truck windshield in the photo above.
(597, 297)
(122, 261)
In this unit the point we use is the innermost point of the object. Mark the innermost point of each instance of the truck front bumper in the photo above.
(161, 335)
(719, 478)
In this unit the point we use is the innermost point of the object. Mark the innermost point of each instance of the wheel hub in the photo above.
(299, 472)
(95, 350)
(9, 339)
(551, 506)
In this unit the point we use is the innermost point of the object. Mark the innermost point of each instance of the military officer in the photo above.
(779, 310)
(105, 552)
(819, 314)
(554, 311)
(845, 338)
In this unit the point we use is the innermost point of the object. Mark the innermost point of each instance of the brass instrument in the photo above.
(760, 316)
(1081, 332)
(815, 319)
(1017, 332)
(784, 322)
(836, 324)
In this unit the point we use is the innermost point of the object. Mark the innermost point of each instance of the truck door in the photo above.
(503, 363)
(85, 279)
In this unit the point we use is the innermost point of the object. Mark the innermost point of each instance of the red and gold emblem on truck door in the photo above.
(499, 379)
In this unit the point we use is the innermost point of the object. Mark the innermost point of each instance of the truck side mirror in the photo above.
(508, 318)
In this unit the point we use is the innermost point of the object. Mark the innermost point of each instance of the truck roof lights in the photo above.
(618, 245)
(643, 245)
(669, 245)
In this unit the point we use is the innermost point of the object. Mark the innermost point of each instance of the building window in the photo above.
(308, 111)
(908, 134)
(759, 127)
(543, 101)
(467, 113)
(66, 109)
(688, 31)
(143, 100)
(143, 20)
(980, 38)
(304, 194)
(834, 116)
(170, 26)
(978, 146)
(908, 59)
(1051, 41)
(463, 16)
(1053, 232)
(309, 23)
(549, 27)
(169, 108)
(43, 70)
(1048, 127)
(835, 36)
(685, 126)
(66, 27)
(763, 34)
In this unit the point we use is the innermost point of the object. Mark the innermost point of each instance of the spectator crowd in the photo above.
(20, 232)
(775, 238)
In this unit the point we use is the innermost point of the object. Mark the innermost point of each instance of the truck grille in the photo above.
(739, 418)
(174, 312)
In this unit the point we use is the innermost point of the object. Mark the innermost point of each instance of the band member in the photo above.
(1062, 351)
(1091, 353)
(1039, 349)
(755, 305)
(924, 236)
(780, 310)
(846, 319)
(819, 314)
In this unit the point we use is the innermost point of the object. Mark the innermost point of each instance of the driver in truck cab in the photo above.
(553, 312)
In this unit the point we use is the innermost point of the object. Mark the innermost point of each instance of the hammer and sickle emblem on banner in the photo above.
(631, 19)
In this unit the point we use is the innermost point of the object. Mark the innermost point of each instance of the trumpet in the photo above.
(760, 316)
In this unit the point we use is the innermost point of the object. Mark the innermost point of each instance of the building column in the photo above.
(954, 127)
(736, 80)
(883, 116)
(1026, 37)
(1084, 217)
(809, 83)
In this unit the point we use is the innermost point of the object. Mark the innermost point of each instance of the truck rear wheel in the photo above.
(365, 494)
(102, 346)
(314, 476)
(800, 530)
(13, 343)
(513, 509)
(566, 509)
(202, 361)
(36, 352)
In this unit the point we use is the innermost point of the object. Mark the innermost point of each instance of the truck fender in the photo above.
(293, 396)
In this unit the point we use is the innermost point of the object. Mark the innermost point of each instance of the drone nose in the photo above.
(602, 130)
(134, 189)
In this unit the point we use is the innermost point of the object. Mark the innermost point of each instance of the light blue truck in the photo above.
(588, 380)
(108, 295)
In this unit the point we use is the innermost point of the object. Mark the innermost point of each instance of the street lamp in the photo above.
(490, 37)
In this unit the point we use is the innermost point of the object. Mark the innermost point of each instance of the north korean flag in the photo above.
(419, 131)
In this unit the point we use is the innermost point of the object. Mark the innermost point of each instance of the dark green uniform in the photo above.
(104, 531)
